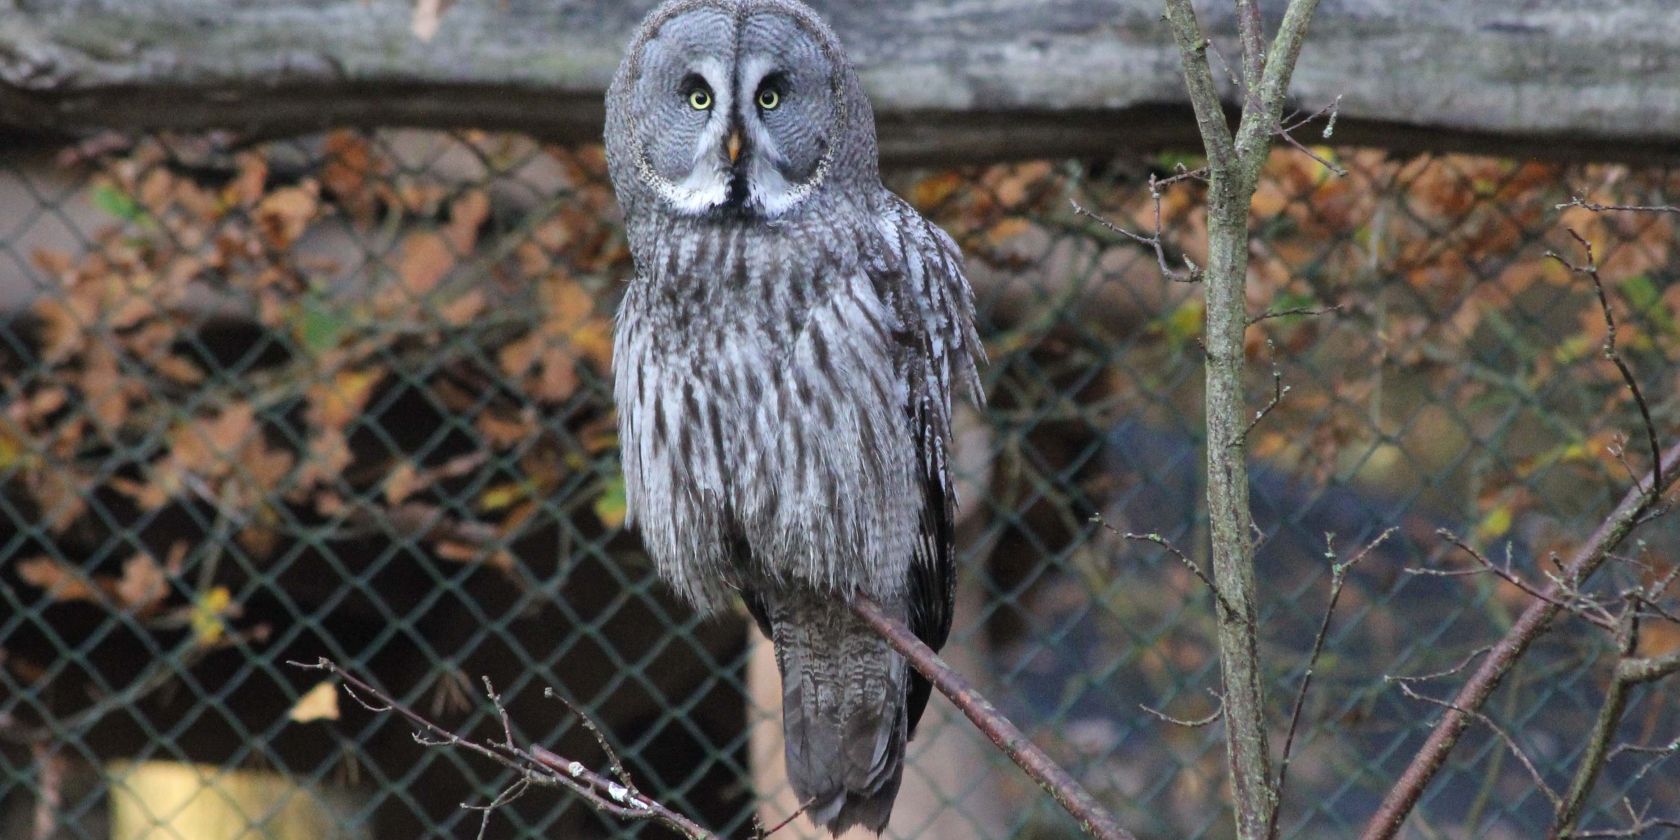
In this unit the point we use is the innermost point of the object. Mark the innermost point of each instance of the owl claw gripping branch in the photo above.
(784, 364)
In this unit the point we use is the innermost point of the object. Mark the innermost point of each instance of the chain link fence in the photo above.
(346, 396)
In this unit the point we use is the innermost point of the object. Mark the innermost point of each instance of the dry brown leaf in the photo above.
(60, 581)
(466, 216)
(1007, 229)
(142, 586)
(462, 310)
(336, 402)
(516, 357)
(103, 387)
(499, 559)
(318, 703)
(933, 190)
(178, 370)
(284, 214)
(59, 493)
(502, 432)
(246, 188)
(427, 257)
(401, 483)
(348, 167)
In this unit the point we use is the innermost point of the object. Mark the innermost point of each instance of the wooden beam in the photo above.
(980, 80)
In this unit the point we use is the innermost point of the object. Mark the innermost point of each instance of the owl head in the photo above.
(736, 108)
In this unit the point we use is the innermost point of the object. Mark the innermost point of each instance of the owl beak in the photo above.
(733, 146)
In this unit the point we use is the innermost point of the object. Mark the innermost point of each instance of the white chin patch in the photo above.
(772, 193)
(703, 190)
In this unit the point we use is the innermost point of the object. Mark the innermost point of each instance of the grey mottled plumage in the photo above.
(784, 363)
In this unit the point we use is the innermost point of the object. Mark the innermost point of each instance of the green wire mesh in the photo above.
(345, 396)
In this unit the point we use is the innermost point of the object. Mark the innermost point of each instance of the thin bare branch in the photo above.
(613, 760)
(1251, 30)
(1278, 390)
(1576, 201)
(534, 764)
(1296, 310)
(1286, 130)
(786, 821)
(1338, 579)
(1436, 675)
(1609, 718)
(1161, 541)
(1191, 723)
(1198, 79)
(1563, 594)
(1190, 274)
(1590, 269)
(1510, 742)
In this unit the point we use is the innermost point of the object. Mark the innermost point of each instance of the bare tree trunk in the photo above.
(1233, 172)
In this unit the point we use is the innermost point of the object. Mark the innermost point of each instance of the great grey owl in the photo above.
(784, 362)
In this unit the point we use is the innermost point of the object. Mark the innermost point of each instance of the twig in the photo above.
(1575, 201)
(1094, 820)
(1577, 604)
(1191, 273)
(1191, 723)
(1435, 675)
(1610, 352)
(1659, 755)
(1510, 742)
(1285, 133)
(1338, 579)
(1161, 541)
(1278, 390)
(613, 761)
(1338, 171)
(1298, 310)
(534, 764)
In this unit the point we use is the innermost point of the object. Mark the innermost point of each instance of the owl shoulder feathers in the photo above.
(917, 269)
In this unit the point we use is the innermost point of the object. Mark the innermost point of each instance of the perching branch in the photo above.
(1094, 819)
(614, 794)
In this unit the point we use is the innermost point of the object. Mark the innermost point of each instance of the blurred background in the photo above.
(292, 366)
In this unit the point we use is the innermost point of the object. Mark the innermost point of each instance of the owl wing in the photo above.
(917, 269)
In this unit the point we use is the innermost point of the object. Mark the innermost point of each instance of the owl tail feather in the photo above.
(843, 711)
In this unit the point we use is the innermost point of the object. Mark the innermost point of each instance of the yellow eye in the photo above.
(768, 99)
(699, 100)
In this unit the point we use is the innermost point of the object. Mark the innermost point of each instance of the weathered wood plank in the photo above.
(951, 80)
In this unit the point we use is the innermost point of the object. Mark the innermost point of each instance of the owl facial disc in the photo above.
(732, 106)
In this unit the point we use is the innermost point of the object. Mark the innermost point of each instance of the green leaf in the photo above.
(1641, 292)
(322, 326)
(117, 203)
(610, 508)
